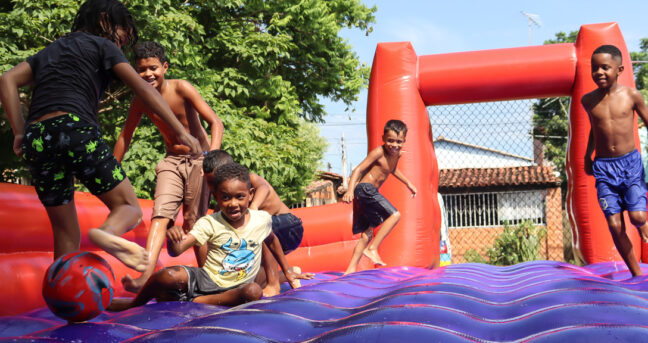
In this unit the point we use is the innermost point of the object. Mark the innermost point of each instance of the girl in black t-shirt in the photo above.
(61, 140)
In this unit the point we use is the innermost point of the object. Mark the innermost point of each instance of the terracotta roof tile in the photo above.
(327, 175)
(318, 185)
(485, 178)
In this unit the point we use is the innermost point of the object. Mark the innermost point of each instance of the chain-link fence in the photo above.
(500, 196)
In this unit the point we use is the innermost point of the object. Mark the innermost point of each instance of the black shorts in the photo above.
(289, 230)
(370, 208)
(198, 284)
(58, 149)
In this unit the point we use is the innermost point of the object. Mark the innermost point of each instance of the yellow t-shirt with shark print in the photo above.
(233, 255)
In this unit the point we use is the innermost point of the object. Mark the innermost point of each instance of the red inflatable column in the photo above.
(394, 94)
(592, 239)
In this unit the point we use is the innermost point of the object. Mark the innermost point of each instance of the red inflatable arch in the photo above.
(402, 85)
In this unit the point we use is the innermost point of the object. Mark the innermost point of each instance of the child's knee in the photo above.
(638, 218)
(251, 292)
(138, 213)
(171, 276)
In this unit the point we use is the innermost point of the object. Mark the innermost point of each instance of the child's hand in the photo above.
(17, 146)
(192, 143)
(413, 190)
(347, 197)
(291, 277)
(175, 234)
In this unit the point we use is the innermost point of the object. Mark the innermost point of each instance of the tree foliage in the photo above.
(640, 68)
(263, 66)
(516, 244)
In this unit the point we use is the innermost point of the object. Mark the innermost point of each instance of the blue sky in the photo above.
(435, 27)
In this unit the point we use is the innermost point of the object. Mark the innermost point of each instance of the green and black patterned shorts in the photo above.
(63, 147)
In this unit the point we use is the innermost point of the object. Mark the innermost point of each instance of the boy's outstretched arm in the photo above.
(178, 242)
(397, 173)
(261, 190)
(152, 98)
(359, 170)
(125, 136)
(189, 92)
(272, 242)
(19, 76)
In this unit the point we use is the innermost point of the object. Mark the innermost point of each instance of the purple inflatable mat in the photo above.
(541, 301)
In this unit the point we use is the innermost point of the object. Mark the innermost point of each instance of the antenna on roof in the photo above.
(532, 19)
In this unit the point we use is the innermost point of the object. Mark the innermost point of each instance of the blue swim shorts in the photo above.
(289, 230)
(620, 183)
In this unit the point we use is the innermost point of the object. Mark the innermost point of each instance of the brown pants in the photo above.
(180, 181)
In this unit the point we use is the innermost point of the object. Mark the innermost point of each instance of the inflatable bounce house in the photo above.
(413, 299)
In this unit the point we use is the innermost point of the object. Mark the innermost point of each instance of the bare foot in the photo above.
(133, 285)
(271, 290)
(129, 253)
(374, 257)
(349, 271)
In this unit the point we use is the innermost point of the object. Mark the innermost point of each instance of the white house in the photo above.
(484, 189)
(453, 154)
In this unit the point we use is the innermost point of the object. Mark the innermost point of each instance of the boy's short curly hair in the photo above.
(149, 49)
(231, 171)
(609, 49)
(396, 125)
(214, 159)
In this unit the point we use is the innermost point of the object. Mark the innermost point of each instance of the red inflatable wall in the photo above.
(402, 84)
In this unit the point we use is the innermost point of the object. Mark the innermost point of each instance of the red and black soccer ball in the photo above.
(78, 286)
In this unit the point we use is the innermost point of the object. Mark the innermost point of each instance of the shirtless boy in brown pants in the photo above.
(179, 175)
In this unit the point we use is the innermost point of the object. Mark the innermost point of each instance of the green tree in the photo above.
(516, 244)
(263, 66)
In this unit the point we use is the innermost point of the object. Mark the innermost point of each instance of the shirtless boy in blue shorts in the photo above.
(370, 208)
(617, 168)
